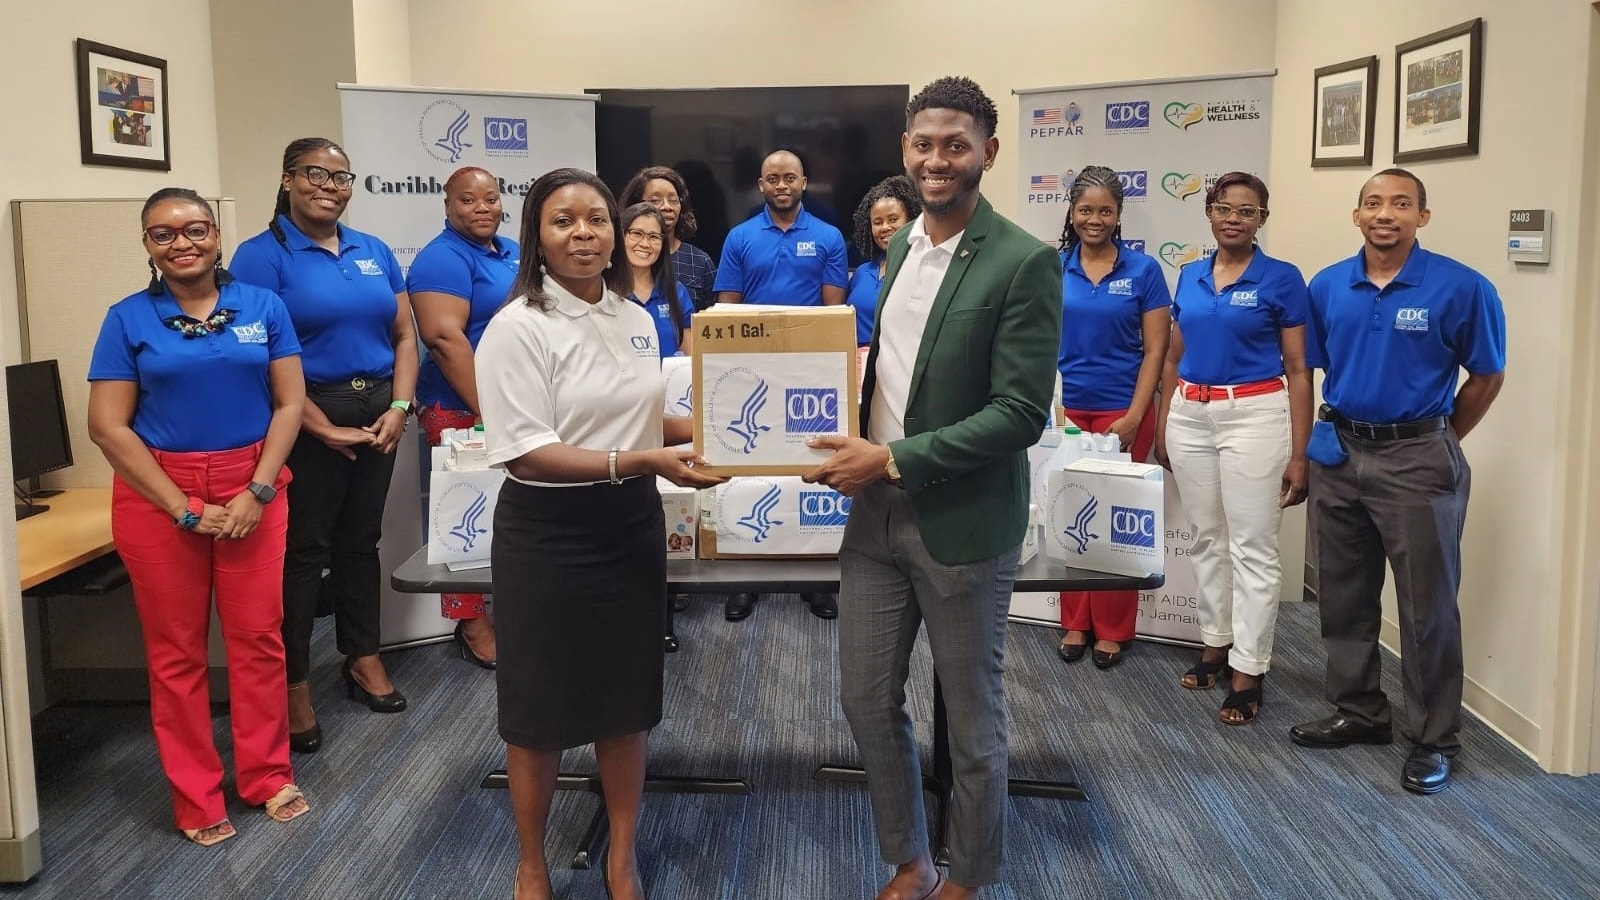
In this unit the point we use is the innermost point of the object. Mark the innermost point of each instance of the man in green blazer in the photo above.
(957, 388)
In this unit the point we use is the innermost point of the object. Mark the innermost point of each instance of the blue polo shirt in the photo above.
(1102, 328)
(863, 296)
(1394, 354)
(343, 306)
(769, 265)
(206, 393)
(462, 268)
(1233, 337)
(661, 313)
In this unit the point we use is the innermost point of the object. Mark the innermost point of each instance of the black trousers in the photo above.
(1405, 502)
(335, 522)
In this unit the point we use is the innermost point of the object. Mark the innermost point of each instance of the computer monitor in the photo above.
(40, 441)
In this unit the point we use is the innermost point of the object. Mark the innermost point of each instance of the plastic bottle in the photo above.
(1069, 450)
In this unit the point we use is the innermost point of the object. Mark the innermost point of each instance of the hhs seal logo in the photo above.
(739, 398)
(1074, 509)
(441, 128)
(684, 405)
(459, 517)
(759, 519)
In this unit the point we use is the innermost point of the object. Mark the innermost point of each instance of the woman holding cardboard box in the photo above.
(456, 284)
(1114, 328)
(1235, 415)
(570, 386)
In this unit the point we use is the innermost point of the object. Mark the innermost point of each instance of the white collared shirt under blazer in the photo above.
(904, 318)
(581, 374)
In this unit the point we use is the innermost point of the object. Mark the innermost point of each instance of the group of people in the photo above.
(554, 344)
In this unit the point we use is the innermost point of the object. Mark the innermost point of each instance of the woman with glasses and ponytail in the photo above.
(195, 398)
(347, 299)
(455, 284)
(1233, 424)
(1115, 321)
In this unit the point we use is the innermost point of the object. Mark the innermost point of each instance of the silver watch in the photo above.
(262, 492)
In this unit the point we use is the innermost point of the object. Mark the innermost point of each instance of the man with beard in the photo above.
(783, 255)
(957, 385)
(1392, 327)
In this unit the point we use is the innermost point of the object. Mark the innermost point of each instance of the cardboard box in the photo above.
(678, 399)
(461, 515)
(681, 507)
(765, 518)
(766, 379)
(1106, 516)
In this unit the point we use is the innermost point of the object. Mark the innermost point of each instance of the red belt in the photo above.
(1205, 393)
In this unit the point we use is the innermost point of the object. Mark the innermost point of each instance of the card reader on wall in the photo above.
(1529, 236)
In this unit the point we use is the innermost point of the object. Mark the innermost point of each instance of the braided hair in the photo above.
(185, 195)
(1091, 176)
(895, 187)
(292, 155)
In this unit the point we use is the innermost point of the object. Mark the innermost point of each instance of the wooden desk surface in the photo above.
(76, 529)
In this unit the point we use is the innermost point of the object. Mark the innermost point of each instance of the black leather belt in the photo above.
(358, 383)
(1398, 431)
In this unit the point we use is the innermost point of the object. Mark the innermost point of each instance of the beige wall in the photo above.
(382, 32)
(522, 46)
(1531, 156)
(39, 158)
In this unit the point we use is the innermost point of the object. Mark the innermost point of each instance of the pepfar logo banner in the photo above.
(1056, 121)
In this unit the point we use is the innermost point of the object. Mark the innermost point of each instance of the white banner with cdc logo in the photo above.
(404, 143)
(1168, 141)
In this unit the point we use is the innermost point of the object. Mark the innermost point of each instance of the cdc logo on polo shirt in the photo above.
(1133, 527)
(505, 135)
(1128, 115)
(811, 410)
(823, 509)
(1411, 318)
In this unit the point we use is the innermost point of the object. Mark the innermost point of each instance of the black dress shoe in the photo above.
(1073, 652)
(823, 606)
(308, 741)
(680, 602)
(392, 702)
(738, 607)
(1337, 731)
(1426, 771)
(1105, 660)
(669, 643)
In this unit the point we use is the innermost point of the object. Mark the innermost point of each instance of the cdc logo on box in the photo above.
(811, 410)
(1128, 115)
(823, 509)
(1133, 527)
(505, 134)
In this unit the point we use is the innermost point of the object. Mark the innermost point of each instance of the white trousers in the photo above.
(1228, 457)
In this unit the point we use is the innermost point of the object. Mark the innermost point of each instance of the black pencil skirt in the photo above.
(580, 592)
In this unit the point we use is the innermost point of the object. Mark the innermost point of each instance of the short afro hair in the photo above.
(959, 94)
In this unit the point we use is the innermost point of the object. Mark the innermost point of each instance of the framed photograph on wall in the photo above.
(122, 108)
(1341, 132)
(1438, 92)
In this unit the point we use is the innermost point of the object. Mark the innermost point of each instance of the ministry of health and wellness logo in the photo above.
(1182, 115)
(1177, 254)
(1182, 185)
(441, 128)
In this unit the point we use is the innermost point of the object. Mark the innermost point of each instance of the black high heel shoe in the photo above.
(308, 741)
(391, 702)
(466, 649)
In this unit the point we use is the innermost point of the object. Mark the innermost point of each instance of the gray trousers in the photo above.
(1405, 501)
(889, 585)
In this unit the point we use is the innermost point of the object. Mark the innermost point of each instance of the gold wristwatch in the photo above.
(890, 470)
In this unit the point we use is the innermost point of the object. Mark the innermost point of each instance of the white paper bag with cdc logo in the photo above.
(461, 514)
(1106, 516)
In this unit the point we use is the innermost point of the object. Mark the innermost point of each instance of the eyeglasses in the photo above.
(319, 176)
(659, 202)
(649, 237)
(1246, 213)
(788, 178)
(166, 234)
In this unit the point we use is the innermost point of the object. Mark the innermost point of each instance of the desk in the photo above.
(75, 530)
(785, 576)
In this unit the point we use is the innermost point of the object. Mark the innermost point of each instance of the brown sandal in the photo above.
(281, 807)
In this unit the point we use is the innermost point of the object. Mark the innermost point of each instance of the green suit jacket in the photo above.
(980, 390)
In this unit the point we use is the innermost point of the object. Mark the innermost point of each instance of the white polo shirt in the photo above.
(585, 375)
(902, 319)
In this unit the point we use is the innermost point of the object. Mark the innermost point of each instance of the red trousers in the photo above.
(175, 574)
(1111, 615)
(435, 420)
